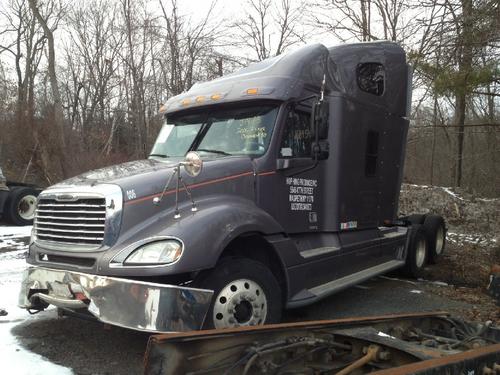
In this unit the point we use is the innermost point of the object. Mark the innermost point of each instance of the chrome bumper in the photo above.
(126, 303)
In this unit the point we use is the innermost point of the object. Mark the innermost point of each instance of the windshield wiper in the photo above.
(160, 155)
(214, 151)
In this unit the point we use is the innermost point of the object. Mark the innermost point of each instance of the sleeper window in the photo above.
(371, 78)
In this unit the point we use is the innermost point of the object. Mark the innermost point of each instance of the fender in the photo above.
(205, 233)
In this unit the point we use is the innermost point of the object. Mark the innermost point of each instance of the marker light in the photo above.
(252, 91)
(185, 102)
(200, 99)
(216, 97)
(162, 109)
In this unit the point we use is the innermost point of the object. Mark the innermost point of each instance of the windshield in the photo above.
(238, 131)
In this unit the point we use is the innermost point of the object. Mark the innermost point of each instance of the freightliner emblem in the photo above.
(66, 197)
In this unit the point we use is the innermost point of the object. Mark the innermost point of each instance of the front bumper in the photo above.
(126, 303)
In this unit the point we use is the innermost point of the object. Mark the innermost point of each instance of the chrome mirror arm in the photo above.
(157, 200)
(179, 182)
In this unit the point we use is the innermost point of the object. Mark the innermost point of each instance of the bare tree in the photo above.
(188, 45)
(25, 46)
(465, 34)
(59, 147)
(269, 28)
(92, 63)
(363, 20)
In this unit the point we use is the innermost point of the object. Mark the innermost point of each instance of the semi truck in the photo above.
(17, 201)
(269, 188)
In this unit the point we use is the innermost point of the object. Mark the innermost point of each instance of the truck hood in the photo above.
(119, 172)
(143, 178)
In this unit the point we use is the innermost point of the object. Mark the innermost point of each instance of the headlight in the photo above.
(159, 252)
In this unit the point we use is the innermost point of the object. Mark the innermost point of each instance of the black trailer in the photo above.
(17, 201)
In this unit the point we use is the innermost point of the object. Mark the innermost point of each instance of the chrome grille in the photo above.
(79, 222)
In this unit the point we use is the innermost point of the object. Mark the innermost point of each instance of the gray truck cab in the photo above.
(268, 188)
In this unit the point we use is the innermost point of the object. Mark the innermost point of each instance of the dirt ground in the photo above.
(466, 271)
(472, 246)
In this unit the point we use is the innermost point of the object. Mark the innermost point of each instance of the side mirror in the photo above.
(319, 129)
(193, 164)
(319, 120)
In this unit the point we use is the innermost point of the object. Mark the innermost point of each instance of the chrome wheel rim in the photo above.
(439, 240)
(26, 207)
(240, 303)
(420, 253)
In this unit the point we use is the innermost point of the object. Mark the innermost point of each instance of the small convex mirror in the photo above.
(193, 164)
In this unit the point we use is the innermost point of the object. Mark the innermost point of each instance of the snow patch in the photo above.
(452, 193)
(15, 231)
(13, 357)
(470, 238)
(438, 283)
(10, 237)
(383, 334)
(418, 186)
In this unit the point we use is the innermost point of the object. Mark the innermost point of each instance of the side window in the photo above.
(371, 78)
(297, 138)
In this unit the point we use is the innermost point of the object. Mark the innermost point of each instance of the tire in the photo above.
(416, 218)
(435, 232)
(20, 206)
(245, 293)
(416, 257)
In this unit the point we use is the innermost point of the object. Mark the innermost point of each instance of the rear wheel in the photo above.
(435, 231)
(416, 218)
(417, 252)
(21, 205)
(245, 294)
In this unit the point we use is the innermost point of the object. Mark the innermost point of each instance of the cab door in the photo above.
(290, 188)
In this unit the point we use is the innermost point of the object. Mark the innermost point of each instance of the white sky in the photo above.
(226, 11)
(230, 10)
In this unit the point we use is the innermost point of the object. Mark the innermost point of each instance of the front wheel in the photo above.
(245, 294)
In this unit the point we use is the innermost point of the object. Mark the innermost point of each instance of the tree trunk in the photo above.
(434, 131)
(459, 121)
(465, 66)
(59, 146)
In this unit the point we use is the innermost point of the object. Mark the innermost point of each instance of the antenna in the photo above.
(322, 92)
